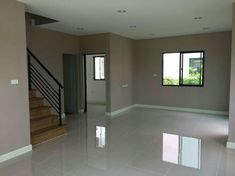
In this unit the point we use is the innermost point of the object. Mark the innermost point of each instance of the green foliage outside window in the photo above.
(192, 79)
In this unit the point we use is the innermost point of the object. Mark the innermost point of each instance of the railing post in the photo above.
(29, 72)
(60, 113)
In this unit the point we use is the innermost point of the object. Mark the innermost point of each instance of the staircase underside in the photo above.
(44, 125)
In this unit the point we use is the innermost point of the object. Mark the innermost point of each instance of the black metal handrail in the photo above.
(51, 92)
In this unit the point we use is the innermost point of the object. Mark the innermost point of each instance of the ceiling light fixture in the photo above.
(133, 26)
(121, 11)
(206, 28)
(80, 28)
(198, 18)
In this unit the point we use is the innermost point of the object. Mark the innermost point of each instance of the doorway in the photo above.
(70, 71)
(94, 72)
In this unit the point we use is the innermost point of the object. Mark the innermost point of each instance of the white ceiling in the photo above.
(152, 18)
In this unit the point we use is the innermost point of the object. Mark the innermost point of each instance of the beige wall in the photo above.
(14, 105)
(121, 66)
(49, 46)
(95, 88)
(215, 93)
(119, 58)
(232, 87)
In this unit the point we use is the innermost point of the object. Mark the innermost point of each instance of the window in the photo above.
(99, 68)
(183, 69)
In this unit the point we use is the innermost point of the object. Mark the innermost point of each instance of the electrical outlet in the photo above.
(14, 82)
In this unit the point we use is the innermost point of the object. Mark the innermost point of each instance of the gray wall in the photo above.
(121, 66)
(232, 87)
(148, 61)
(95, 88)
(14, 105)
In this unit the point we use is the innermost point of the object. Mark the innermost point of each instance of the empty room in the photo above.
(117, 88)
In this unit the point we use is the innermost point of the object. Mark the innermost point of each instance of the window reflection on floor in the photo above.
(185, 151)
(100, 137)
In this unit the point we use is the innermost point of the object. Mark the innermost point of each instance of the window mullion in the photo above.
(181, 70)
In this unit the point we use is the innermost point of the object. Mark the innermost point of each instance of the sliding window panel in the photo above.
(192, 74)
(171, 69)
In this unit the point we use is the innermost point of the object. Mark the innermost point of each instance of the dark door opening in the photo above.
(70, 83)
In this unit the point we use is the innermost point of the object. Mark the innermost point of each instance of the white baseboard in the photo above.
(81, 110)
(202, 111)
(114, 113)
(15, 153)
(63, 116)
(231, 145)
(96, 102)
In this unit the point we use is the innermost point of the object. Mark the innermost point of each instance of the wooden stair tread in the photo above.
(35, 98)
(32, 93)
(43, 122)
(39, 112)
(47, 134)
(40, 108)
(32, 89)
(44, 117)
(47, 129)
(44, 125)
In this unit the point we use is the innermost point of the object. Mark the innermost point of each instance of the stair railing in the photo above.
(43, 80)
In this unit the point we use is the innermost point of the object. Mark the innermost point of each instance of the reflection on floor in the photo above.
(185, 151)
(142, 142)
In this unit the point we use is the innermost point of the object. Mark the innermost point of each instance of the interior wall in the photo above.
(99, 43)
(95, 89)
(232, 87)
(14, 103)
(121, 70)
(49, 47)
(148, 61)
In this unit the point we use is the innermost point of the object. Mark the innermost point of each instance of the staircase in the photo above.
(45, 120)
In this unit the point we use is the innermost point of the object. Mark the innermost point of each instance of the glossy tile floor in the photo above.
(142, 142)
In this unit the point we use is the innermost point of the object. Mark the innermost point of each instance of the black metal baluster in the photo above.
(38, 79)
(29, 71)
(60, 113)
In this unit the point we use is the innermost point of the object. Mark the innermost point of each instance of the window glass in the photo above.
(171, 68)
(99, 68)
(183, 69)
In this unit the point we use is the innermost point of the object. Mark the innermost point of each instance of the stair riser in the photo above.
(43, 123)
(37, 139)
(40, 113)
(35, 104)
(32, 94)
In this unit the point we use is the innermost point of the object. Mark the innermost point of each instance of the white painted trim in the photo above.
(203, 111)
(231, 145)
(63, 116)
(15, 153)
(81, 110)
(114, 113)
(96, 102)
